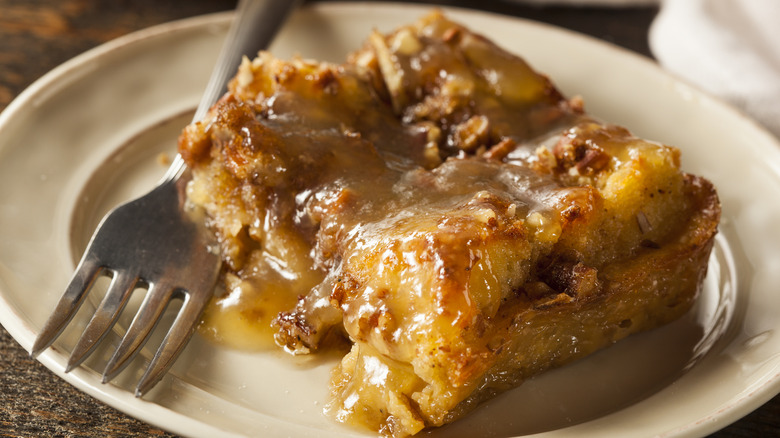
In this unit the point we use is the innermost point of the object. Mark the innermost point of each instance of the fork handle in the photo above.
(254, 26)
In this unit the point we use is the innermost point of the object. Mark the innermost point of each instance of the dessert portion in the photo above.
(443, 208)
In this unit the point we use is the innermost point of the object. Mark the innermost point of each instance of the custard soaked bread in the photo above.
(443, 207)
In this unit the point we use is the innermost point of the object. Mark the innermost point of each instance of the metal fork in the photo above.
(154, 243)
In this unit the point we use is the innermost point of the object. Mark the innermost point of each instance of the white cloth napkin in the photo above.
(616, 3)
(729, 48)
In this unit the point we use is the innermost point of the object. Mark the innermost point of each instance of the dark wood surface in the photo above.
(38, 35)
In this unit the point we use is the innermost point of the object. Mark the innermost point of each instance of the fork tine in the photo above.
(177, 338)
(105, 316)
(82, 280)
(144, 322)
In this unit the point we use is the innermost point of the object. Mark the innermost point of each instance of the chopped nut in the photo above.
(546, 158)
(485, 215)
(594, 160)
(500, 150)
(471, 133)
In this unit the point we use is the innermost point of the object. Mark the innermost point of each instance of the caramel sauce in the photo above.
(241, 317)
(336, 165)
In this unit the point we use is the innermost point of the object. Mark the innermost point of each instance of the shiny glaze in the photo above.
(335, 160)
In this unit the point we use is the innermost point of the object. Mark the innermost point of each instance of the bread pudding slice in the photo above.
(440, 205)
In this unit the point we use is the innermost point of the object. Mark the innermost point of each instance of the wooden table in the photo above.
(37, 35)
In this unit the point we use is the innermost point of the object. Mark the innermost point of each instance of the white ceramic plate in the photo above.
(89, 134)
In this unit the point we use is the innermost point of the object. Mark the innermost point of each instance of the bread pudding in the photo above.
(441, 207)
